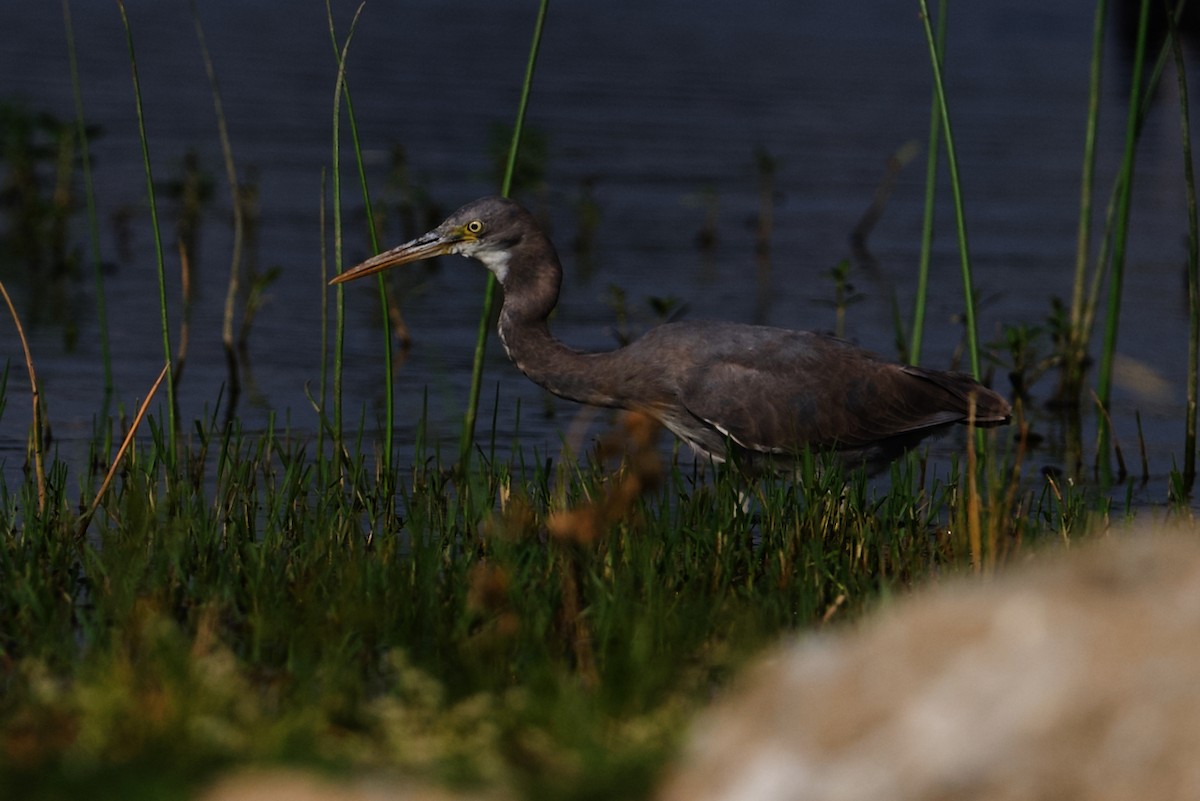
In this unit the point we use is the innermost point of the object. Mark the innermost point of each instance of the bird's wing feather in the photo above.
(773, 390)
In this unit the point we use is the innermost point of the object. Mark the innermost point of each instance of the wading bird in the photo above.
(750, 393)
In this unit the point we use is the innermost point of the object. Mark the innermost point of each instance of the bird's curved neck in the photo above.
(531, 282)
(566, 372)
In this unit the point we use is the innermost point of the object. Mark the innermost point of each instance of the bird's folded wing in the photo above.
(770, 406)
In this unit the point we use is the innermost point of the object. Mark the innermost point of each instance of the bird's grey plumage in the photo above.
(762, 392)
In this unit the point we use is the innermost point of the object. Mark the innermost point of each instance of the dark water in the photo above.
(659, 108)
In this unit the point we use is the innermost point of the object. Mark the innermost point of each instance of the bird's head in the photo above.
(486, 229)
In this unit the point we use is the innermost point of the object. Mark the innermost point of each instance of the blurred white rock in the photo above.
(1074, 677)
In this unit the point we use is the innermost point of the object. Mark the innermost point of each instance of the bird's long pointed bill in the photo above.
(424, 247)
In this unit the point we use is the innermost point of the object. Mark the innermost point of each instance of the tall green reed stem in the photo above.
(323, 383)
(1118, 188)
(158, 249)
(388, 369)
(1193, 270)
(467, 440)
(1080, 319)
(1120, 236)
(89, 194)
(931, 171)
(340, 322)
(1083, 308)
(960, 219)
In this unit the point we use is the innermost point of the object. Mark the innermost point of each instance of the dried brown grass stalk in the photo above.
(974, 536)
(580, 527)
(35, 394)
(87, 516)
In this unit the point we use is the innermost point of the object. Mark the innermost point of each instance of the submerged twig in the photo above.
(866, 223)
(235, 259)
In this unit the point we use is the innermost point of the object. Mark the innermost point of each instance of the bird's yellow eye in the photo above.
(474, 227)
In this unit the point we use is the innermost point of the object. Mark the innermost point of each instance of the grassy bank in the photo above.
(546, 630)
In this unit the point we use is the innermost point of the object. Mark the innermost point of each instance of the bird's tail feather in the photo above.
(991, 409)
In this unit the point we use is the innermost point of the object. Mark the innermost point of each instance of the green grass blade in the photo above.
(960, 220)
(388, 368)
(1120, 237)
(158, 247)
(340, 322)
(468, 431)
(931, 171)
(90, 199)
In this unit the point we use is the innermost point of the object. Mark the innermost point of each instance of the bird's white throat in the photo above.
(495, 260)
